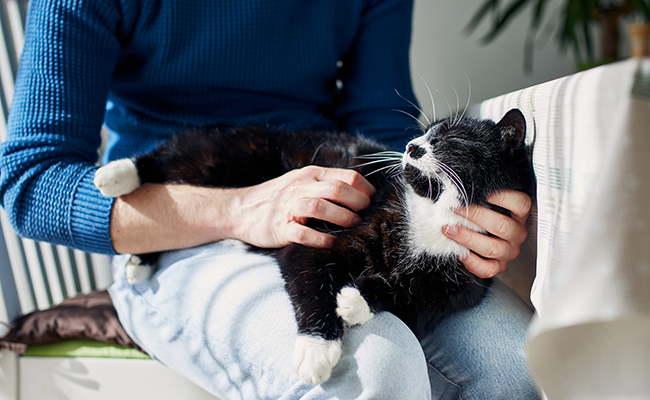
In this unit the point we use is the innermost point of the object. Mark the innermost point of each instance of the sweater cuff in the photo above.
(90, 217)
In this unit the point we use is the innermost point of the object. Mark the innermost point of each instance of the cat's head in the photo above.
(476, 156)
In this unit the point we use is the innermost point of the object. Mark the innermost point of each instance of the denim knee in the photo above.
(480, 353)
(386, 359)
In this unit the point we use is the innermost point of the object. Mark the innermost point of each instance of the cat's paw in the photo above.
(117, 178)
(314, 358)
(352, 307)
(137, 272)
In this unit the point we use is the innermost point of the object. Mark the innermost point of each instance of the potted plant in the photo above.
(575, 29)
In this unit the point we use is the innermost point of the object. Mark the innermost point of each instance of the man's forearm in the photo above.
(167, 217)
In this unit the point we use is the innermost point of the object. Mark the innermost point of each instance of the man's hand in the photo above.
(509, 232)
(275, 213)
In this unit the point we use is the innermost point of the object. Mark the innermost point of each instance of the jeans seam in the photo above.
(460, 389)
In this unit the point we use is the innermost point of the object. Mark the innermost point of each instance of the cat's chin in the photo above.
(427, 219)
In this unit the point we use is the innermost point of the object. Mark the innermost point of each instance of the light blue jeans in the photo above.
(219, 315)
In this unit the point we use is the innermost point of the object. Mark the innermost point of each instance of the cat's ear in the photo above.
(513, 129)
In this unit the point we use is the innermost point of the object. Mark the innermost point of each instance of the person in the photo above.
(214, 312)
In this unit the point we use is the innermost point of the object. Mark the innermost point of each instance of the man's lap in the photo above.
(219, 315)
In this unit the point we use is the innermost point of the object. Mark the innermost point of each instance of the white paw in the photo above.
(314, 358)
(117, 178)
(352, 307)
(136, 272)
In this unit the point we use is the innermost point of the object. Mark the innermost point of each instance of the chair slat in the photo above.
(14, 15)
(36, 274)
(6, 70)
(51, 272)
(82, 271)
(67, 270)
(25, 296)
(101, 270)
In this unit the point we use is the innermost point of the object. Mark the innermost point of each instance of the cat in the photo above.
(397, 259)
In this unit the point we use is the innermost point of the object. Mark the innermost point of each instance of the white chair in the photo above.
(37, 275)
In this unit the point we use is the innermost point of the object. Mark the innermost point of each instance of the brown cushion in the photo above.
(85, 316)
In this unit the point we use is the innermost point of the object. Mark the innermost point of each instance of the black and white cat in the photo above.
(397, 259)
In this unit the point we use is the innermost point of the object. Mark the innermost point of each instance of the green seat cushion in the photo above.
(83, 348)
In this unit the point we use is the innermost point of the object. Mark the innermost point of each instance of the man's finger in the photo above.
(325, 211)
(499, 225)
(518, 203)
(481, 267)
(300, 234)
(486, 246)
(351, 177)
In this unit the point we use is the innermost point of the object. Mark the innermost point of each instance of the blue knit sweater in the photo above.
(150, 68)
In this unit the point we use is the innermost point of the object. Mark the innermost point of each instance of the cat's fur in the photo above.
(397, 259)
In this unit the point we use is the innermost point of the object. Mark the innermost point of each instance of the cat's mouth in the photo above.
(424, 184)
(430, 177)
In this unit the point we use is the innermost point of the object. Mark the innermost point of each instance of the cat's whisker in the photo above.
(456, 119)
(404, 112)
(438, 180)
(415, 106)
(375, 162)
(395, 172)
(446, 101)
(455, 179)
(382, 152)
(433, 104)
(380, 169)
(385, 154)
(469, 96)
(313, 158)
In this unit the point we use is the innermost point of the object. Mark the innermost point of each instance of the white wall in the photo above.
(442, 54)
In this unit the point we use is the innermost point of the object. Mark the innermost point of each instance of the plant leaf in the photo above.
(539, 14)
(586, 12)
(483, 11)
(513, 10)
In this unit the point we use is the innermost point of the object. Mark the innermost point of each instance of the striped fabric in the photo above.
(590, 231)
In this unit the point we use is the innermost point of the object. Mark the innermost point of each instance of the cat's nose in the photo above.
(415, 151)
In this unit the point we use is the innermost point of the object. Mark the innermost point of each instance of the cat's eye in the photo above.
(454, 138)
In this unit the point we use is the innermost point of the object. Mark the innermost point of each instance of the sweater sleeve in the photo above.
(377, 88)
(48, 160)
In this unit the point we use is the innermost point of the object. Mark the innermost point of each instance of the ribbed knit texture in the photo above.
(150, 68)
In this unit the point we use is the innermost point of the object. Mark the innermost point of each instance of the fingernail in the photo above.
(451, 230)
(356, 220)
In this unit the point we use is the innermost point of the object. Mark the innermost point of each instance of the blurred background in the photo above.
(443, 51)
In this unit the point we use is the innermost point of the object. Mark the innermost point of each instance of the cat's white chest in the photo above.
(427, 218)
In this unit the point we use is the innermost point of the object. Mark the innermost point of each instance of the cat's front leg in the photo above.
(117, 178)
(358, 302)
(352, 307)
(318, 346)
(312, 290)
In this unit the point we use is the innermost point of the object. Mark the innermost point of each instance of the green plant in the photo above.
(577, 17)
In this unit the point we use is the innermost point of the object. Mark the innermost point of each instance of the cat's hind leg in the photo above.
(117, 178)
(137, 272)
(140, 267)
(314, 357)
